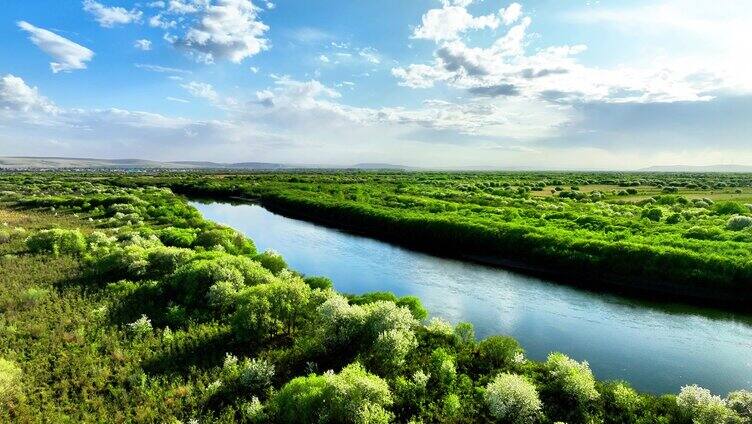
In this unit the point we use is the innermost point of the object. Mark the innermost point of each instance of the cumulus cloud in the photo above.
(109, 16)
(229, 29)
(67, 55)
(511, 13)
(158, 21)
(451, 21)
(554, 74)
(16, 95)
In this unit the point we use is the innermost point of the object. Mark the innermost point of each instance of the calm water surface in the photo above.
(656, 347)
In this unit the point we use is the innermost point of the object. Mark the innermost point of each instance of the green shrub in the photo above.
(352, 396)
(571, 386)
(57, 241)
(192, 280)
(738, 222)
(321, 283)
(163, 261)
(513, 399)
(622, 404)
(249, 375)
(272, 261)
(740, 402)
(271, 309)
(121, 262)
(674, 218)
(11, 386)
(702, 407)
(415, 306)
(498, 352)
(227, 239)
(729, 208)
(33, 295)
(141, 327)
(177, 237)
(653, 214)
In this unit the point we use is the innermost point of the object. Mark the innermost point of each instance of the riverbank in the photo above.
(426, 241)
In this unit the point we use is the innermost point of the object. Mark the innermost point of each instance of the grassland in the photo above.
(670, 235)
(120, 303)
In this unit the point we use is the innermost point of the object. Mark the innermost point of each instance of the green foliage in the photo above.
(57, 241)
(738, 223)
(351, 396)
(653, 214)
(321, 283)
(10, 382)
(226, 239)
(193, 280)
(272, 261)
(177, 237)
(498, 353)
(702, 407)
(513, 399)
(249, 376)
(570, 386)
(90, 347)
(740, 402)
(622, 404)
(272, 309)
(729, 208)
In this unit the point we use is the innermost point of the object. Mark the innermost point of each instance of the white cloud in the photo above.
(254, 69)
(177, 99)
(158, 21)
(324, 59)
(181, 7)
(15, 95)
(451, 21)
(142, 44)
(159, 4)
(108, 16)
(66, 54)
(555, 75)
(229, 29)
(161, 69)
(511, 13)
(369, 54)
(270, 5)
(201, 90)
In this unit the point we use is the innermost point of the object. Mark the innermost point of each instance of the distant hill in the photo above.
(21, 162)
(706, 168)
(380, 166)
(52, 163)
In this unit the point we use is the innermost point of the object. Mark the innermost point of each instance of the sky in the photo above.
(546, 84)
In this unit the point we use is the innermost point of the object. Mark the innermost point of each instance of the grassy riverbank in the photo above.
(122, 304)
(679, 236)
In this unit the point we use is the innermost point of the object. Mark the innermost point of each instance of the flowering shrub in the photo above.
(702, 407)
(141, 326)
(740, 402)
(511, 398)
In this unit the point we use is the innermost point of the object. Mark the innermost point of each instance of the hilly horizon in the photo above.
(56, 162)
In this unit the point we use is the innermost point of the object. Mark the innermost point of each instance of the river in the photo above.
(657, 347)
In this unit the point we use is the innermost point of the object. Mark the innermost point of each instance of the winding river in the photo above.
(656, 347)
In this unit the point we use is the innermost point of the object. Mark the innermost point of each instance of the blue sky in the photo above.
(550, 84)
